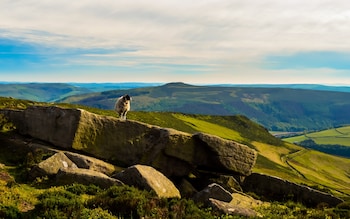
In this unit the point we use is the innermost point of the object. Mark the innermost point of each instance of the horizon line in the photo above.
(155, 82)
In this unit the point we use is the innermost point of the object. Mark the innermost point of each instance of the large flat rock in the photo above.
(127, 143)
(276, 188)
(148, 178)
(66, 176)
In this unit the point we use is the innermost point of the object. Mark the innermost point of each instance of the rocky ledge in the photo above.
(127, 143)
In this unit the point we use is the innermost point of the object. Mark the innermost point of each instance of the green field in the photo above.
(335, 136)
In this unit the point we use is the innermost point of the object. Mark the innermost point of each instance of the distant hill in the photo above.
(54, 91)
(294, 86)
(45, 92)
(282, 109)
(99, 87)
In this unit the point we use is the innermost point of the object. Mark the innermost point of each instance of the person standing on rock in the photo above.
(122, 106)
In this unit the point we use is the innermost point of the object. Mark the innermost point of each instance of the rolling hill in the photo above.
(279, 109)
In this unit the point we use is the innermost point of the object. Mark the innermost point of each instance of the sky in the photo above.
(198, 41)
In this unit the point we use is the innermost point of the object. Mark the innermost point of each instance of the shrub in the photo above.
(121, 200)
(126, 201)
(76, 189)
(9, 212)
(79, 189)
(344, 205)
(183, 208)
(343, 209)
(97, 213)
(58, 204)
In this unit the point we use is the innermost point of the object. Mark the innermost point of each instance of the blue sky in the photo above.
(200, 41)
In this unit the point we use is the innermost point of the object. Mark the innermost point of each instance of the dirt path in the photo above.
(288, 157)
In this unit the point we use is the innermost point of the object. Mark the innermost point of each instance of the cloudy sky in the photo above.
(198, 41)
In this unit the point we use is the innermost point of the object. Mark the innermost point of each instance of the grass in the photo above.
(208, 127)
(334, 136)
(323, 169)
(21, 196)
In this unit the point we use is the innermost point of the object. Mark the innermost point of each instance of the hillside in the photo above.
(275, 158)
(282, 109)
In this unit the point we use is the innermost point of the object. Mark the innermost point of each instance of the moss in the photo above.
(5, 125)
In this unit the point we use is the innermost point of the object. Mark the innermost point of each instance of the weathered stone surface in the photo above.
(148, 178)
(51, 165)
(230, 209)
(279, 189)
(51, 124)
(186, 189)
(85, 176)
(91, 163)
(228, 182)
(111, 138)
(226, 155)
(13, 116)
(245, 201)
(126, 143)
(214, 191)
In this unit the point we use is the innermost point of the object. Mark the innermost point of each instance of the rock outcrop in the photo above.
(230, 209)
(224, 202)
(226, 155)
(51, 124)
(146, 177)
(51, 166)
(126, 143)
(228, 182)
(66, 176)
(213, 191)
(275, 188)
(91, 163)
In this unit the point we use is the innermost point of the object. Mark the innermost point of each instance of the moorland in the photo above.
(297, 164)
(170, 106)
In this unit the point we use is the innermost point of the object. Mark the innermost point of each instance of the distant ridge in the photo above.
(341, 88)
(279, 109)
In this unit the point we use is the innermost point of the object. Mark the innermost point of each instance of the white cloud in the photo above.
(222, 34)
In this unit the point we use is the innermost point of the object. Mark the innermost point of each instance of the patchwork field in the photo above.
(339, 136)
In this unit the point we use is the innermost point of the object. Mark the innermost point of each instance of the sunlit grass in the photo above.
(324, 169)
(339, 136)
(211, 128)
(21, 196)
(274, 153)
